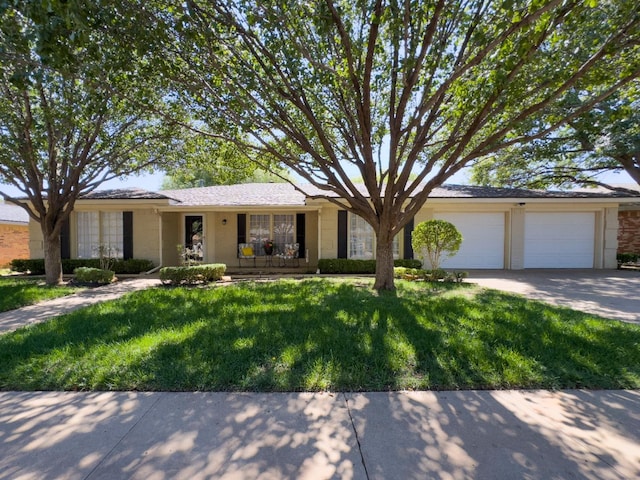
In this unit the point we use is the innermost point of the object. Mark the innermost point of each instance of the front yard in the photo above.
(16, 292)
(321, 335)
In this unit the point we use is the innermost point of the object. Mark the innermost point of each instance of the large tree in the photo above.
(391, 88)
(72, 110)
(604, 139)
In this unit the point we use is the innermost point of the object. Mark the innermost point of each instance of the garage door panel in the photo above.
(482, 240)
(559, 240)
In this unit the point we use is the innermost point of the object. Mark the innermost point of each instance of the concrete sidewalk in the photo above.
(411, 435)
(42, 311)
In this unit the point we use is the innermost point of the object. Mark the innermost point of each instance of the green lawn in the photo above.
(18, 292)
(321, 335)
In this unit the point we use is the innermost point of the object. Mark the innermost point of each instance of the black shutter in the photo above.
(300, 232)
(342, 234)
(127, 235)
(65, 240)
(242, 229)
(408, 248)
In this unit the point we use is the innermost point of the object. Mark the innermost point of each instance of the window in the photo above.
(98, 230)
(362, 240)
(283, 227)
(88, 234)
(261, 228)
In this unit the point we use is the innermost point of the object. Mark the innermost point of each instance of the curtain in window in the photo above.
(360, 239)
(259, 231)
(88, 235)
(283, 230)
(111, 234)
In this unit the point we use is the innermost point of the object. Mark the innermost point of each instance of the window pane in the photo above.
(283, 228)
(259, 231)
(360, 239)
(112, 234)
(88, 234)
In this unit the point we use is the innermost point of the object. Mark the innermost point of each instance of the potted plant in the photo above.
(268, 247)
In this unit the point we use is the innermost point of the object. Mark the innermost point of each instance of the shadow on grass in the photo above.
(321, 335)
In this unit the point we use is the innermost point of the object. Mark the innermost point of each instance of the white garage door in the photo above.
(482, 240)
(559, 240)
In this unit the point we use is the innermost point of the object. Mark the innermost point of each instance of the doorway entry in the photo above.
(193, 237)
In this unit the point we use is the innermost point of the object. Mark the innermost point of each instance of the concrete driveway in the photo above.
(611, 294)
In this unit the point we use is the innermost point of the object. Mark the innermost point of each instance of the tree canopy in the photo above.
(407, 93)
(72, 111)
(603, 139)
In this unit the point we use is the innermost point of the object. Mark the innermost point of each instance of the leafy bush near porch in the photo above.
(35, 266)
(193, 274)
(347, 265)
(93, 275)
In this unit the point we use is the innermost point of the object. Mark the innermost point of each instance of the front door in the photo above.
(193, 241)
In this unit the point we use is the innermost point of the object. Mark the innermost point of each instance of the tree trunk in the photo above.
(52, 259)
(384, 265)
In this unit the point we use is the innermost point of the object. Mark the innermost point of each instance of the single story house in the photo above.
(14, 233)
(501, 228)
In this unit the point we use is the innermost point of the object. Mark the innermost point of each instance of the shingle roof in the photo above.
(123, 194)
(13, 214)
(284, 194)
(246, 194)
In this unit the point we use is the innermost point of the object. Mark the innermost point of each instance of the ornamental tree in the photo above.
(435, 240)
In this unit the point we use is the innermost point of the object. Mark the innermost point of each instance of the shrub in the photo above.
(93, 275)
(190, 275)
(628, 258)
(348, 265)
(407, 262)
(35, 266)
(435, 239)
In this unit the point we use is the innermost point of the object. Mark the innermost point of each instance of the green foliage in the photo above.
(93, 275)
(628, 258)
(347, 265)
(435, 239)
(321, 335)
(191, 275)
(120, 266)
(413, 274)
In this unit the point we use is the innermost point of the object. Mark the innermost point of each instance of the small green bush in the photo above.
(628, 258)
(93, 275)
(35, 266)
(190, 275)
(407, 263)
(346, 265)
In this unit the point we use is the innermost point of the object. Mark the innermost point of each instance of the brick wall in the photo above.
(629, 231)
(14, 243)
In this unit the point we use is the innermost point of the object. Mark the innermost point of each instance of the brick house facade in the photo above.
(14, 234)
(629, 231)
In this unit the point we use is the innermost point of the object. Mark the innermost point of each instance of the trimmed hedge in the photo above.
(347, 265)
(36, 265)
(190, 275)
(93, 275)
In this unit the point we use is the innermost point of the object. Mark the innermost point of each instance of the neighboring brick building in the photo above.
(14, 234)
(629, 230)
